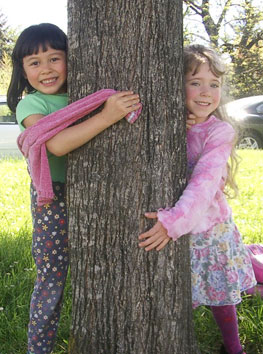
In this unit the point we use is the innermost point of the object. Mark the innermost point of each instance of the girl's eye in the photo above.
(215, 85)
(54, 59)
(34, 63)
(195, 83)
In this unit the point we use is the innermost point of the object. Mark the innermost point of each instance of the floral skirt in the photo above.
(220, 266)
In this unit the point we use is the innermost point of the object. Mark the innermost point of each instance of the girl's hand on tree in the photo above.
(156, 237)
(190, 121)
(119, 105)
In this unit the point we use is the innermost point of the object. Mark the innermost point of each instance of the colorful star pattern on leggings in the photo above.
(50, 252)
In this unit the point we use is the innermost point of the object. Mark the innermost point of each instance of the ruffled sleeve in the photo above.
(207, 179)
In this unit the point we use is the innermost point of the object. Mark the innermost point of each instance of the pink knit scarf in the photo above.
(32, 141)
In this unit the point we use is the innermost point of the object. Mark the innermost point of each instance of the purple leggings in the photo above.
(226, 319)
(50, 253)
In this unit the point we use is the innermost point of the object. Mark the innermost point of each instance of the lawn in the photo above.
(17, 270)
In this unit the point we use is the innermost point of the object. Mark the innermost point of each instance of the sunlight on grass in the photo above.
(247, 208)
(17, 268)
(14, 195)
(18, 272)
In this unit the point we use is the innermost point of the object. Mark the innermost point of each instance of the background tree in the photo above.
(235, 29)
(203, 9)
(7, 37)
(7, 42)
(246, 52)
(124, 299)
(5, 73)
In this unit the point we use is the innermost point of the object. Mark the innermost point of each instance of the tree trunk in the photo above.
(125, 300)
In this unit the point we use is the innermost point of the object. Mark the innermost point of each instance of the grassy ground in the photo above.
(247, 213)
(17, 271)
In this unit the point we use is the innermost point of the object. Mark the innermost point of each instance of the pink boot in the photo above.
(256, 255)
(257, 290)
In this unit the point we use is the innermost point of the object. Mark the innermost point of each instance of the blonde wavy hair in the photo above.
(194, 56)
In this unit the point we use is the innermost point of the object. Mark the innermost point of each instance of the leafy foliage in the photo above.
(7, 41)
(7, 37)
(233, 28)
(5, 73)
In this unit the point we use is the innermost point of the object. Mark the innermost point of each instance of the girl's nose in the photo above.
(205, 91)
(46, 67)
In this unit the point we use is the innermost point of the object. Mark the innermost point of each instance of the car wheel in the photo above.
(249, 140)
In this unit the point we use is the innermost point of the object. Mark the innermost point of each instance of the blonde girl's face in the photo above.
(47, 71)
(203, 92)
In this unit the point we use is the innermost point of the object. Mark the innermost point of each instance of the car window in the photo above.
(6, 116)
(259, 108)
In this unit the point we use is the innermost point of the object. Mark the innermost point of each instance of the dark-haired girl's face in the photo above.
(47, 71)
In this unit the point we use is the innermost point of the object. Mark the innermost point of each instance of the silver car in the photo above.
(247, 113)
(9, 131)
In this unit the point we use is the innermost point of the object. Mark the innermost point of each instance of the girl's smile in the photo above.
(46, 71)
(203, 92)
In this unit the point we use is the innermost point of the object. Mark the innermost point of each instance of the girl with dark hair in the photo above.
(29, 42)
(40, 72)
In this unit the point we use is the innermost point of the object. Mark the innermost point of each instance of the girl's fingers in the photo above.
(153, 245)
(153, 231)
(190, 121)
(151, 215)
(127, 97)
(131, 97)
(146, 234)
(149, 241)
(148, 237)
(132, 103)
(157, 242)
(123, 93)
(133, 107)
(156, 237)
(163, 244)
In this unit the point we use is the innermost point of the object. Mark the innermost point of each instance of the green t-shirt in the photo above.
(39, 103)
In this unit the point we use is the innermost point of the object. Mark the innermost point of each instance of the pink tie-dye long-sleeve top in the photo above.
(203, 203)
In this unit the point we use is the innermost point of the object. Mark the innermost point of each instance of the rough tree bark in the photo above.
(127, 301)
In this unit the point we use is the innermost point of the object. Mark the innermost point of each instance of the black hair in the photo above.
(28, 43)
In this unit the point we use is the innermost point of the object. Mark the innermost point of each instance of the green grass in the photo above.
(17, 271)
(248, 208)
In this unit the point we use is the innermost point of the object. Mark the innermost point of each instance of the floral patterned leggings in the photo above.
(50, 253)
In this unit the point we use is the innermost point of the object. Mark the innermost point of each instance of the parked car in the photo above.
(247, 113)
(9, 131)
